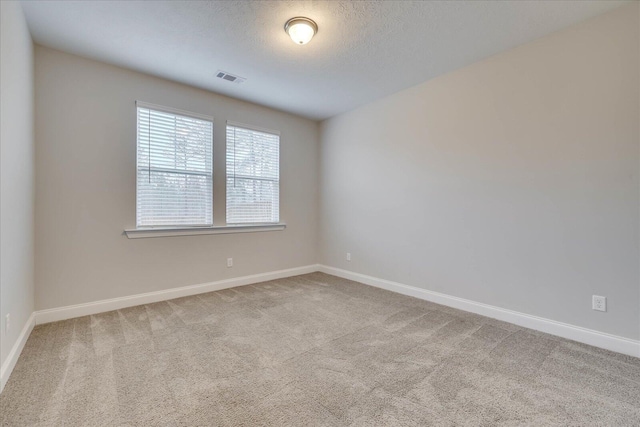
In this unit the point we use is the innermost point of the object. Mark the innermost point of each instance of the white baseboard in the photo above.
(576, 333)
(12, 358)
(78, 310)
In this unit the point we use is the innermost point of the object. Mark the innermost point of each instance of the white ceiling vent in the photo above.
(229, 77)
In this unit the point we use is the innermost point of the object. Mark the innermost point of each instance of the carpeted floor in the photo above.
(312, 350)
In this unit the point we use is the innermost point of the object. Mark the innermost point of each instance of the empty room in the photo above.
(320, 213)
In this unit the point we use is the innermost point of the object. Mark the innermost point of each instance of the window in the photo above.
(175, 171)
(253, 175)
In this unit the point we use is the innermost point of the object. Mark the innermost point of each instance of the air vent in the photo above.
(229, 77)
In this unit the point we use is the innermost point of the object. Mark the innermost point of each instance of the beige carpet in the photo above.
(312, 350)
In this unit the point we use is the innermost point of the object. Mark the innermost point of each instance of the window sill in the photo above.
(144, 233)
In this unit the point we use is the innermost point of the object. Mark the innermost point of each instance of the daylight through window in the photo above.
(175, 170)
(253, 175)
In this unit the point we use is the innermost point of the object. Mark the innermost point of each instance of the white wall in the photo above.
(86, 187)
(512, 182)
(16, 174)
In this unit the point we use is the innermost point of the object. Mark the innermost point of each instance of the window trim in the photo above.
(149, 232)
(170, 110)
(252, 127)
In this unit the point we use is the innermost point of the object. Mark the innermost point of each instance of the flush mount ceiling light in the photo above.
(301, 29)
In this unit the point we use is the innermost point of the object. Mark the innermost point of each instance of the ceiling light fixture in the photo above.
(301, 29)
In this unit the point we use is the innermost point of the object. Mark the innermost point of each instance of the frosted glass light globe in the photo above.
(300, 29)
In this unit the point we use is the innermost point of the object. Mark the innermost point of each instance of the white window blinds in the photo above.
(253, 175)
(175, 179)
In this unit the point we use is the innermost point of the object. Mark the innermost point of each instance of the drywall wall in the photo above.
(16, 175)
(86, 187)
(511, 182)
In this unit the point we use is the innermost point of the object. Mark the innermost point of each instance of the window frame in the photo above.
(144, 232)
(231, 123)
(184, 113)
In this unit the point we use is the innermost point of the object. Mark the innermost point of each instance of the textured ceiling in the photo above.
(363, 50)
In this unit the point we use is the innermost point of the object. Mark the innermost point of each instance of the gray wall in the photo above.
(86, 187)
(16, 174)
(511, 182)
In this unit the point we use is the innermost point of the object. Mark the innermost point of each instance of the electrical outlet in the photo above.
(348, 256)
(599, 303)
(229, 262)
(7, 323)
